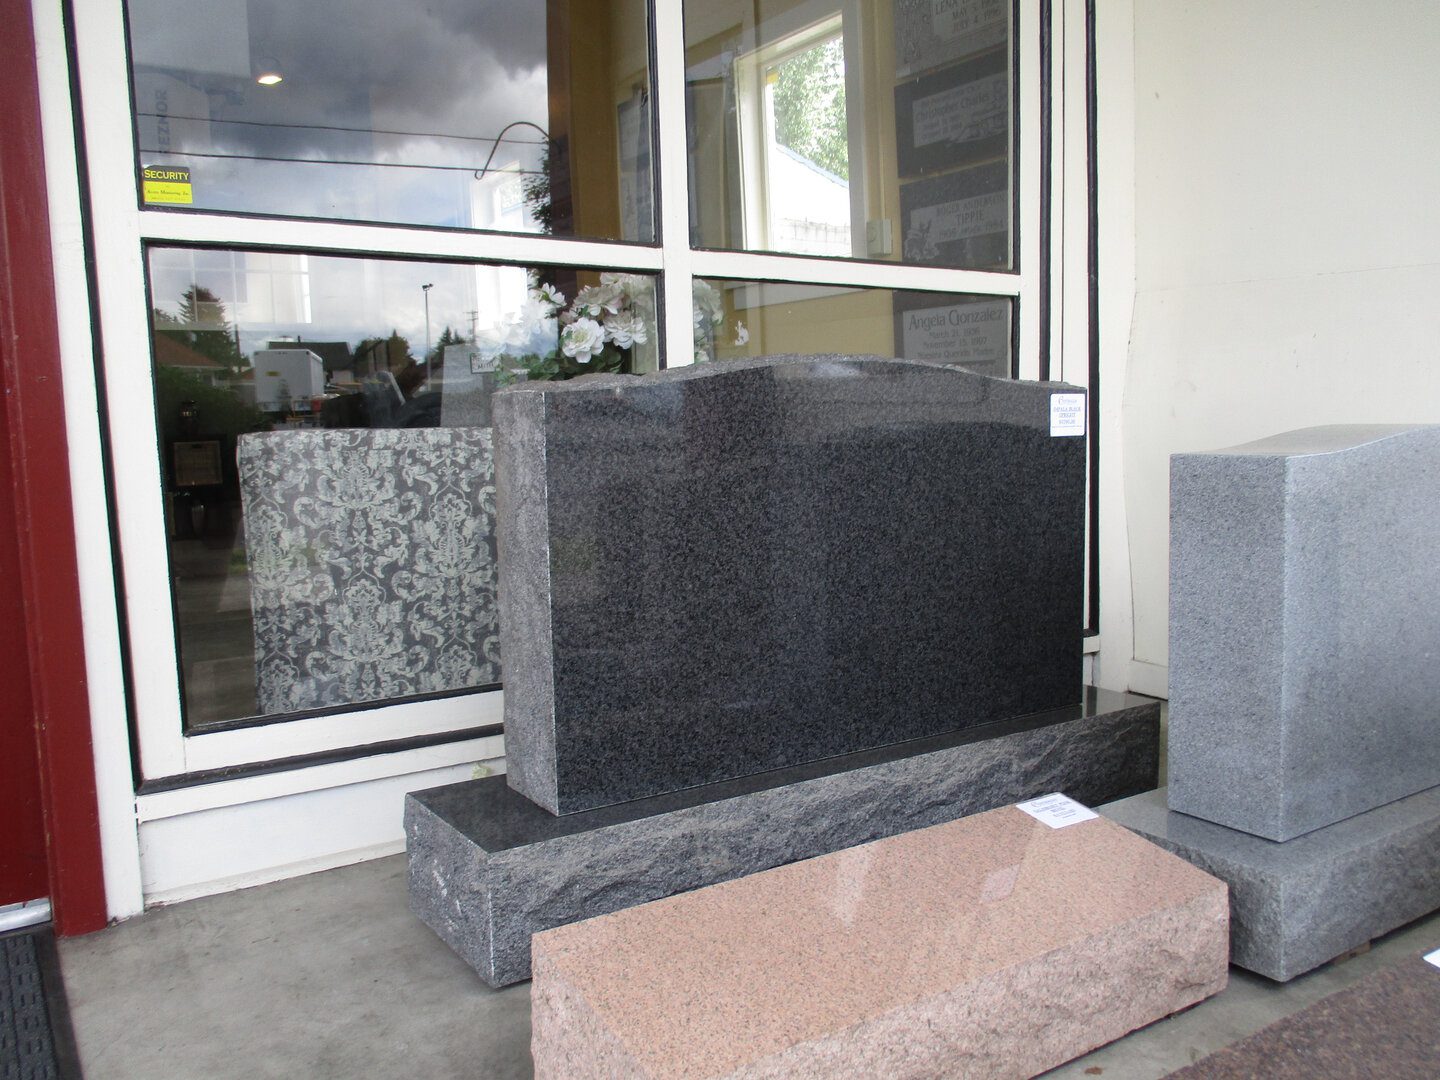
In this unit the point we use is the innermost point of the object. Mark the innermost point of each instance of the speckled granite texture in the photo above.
(488, 868)
(1385, 1027)
(994, 946)
(1297, 904)
(729, 568)
(1304, 629)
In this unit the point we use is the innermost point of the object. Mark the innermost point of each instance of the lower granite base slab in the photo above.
(1297, 904)
(488, 868)
(997, 946)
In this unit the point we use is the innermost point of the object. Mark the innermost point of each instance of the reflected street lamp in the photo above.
(425, 290)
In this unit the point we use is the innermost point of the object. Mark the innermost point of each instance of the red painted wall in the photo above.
(23, 873)
(42, 641)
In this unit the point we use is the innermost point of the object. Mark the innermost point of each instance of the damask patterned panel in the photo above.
(372, 563)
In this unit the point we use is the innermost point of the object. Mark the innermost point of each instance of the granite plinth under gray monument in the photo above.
(724, 569)
(371, 559)
(488, 868)
(1297, 904)
(1304, 626)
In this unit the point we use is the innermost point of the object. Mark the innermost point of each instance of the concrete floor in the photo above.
(329, 976)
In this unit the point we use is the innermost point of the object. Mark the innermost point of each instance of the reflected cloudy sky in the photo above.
(419, 85)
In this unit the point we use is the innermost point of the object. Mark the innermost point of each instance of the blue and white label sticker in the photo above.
(1056, 810)
(1433, 958)
(1067, 414)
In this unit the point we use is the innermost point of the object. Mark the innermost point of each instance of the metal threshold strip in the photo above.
(28, 913)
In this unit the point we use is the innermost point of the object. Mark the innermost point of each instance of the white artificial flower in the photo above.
(528, 329)
(549, 294)
(582, 339)
(625, 329)
(595, 300)
(707, 300)
(741, 334)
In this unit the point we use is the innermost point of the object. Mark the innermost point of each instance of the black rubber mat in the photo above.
(35, 1038)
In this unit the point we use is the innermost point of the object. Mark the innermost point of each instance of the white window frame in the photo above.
(122, 229)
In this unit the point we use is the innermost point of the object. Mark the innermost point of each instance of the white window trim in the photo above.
(121, 228)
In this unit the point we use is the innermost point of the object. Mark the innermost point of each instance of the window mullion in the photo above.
(674, 172)
(759, 266)
(340, 237)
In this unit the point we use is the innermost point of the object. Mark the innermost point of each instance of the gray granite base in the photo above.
(488, 868)
(1294, 905)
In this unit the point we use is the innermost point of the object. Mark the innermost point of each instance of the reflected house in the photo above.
(177, 355)
(809, 205)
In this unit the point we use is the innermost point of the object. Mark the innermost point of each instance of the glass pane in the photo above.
(524, 116)
(756, 318)
(329, 482)
(875, 129)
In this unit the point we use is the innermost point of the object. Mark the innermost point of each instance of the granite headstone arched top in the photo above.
(723, 569)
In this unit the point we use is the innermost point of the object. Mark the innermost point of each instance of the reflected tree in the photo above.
(809, 106)
(202, 325)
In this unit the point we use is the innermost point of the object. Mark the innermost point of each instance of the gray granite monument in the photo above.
(1304, 745)
(759, 611)
(1304, 627)
(468, 381)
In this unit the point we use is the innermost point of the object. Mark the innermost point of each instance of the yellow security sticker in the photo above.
(166, 184)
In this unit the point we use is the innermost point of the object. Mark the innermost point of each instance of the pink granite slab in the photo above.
(992, 946)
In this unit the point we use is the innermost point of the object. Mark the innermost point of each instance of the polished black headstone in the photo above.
(729, 568)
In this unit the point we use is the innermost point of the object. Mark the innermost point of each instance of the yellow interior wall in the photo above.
(594, 139)
(854, 322)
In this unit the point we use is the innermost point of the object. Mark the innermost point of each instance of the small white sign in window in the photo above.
(1056, 810)
(1067, 414)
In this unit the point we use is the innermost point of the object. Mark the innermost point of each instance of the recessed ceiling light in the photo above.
(269, 78)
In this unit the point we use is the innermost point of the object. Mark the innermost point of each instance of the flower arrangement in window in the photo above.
(598, 331)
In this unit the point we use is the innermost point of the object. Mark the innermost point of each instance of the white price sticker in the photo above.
(1067, 414)
(1433, 958)
(1056, 810)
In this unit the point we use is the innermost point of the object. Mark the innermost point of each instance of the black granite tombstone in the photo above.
(721, 570)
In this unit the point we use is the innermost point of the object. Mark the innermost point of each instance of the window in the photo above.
(350, 222)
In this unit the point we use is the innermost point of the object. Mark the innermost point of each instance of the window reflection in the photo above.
(756, 318)
(329, 478)
(875, 129)
(524, 116)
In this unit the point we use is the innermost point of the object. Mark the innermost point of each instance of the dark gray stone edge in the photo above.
(487, 905)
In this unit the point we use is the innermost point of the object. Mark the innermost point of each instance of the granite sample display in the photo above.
(723, 569)
(467, 383)
(994, 946)
(1304, 630)
(371, 557)
(488, 868)
(1384, 1026)
(1297, 904)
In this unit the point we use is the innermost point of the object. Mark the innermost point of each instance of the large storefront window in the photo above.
(874, 129)
(770, 319)
(519, 117)
(329, 476)
(351, 223)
